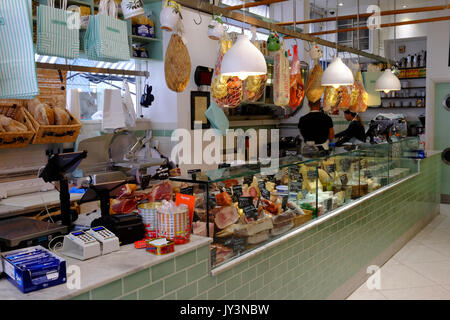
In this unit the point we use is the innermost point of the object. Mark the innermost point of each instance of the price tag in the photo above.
(239, 244)
(284, 202)
(193, 171)
(245, 202)
(265, 194)
(296, 186)
(237, 190)
(187, 190)
(228, 190)
(271, 178)
(344, 179)
(213, 255)
(331, 168)
(251, 212)
(261, 185)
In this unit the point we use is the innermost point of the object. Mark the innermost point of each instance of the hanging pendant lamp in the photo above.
(243, 59)
(388, 81)
(337, 73)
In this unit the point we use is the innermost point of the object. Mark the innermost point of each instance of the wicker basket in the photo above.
(16, 139)
(55, 133)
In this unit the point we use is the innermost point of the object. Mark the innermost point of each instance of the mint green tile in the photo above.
(152, 291)
(240, 267)
(257, 284)
(163, 269)
(108, 292)
(168, 133)
(242, 293)
(262, 267)
(83, 296)
(131, 296)
(186, 260)
(203, 296)
(203, 253)
(217, 293)
(158, 133)
(136, 280)
(171, 296)
(227, 274)
(206, 283)
(187, 292)
(233, 283)
(250, 274)
(275, 260)
(197, 271)
(268, 277)
(177, 281)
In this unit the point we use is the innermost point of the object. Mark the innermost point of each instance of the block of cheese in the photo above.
(254, 227)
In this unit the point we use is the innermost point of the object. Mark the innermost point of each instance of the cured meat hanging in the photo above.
(177, 64)
(314, 89)
(281, 79)
(297, 90)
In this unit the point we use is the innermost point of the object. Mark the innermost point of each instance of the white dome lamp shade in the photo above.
(337, 74)
(243, 59)
(387, 82)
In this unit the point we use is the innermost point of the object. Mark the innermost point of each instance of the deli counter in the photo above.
(244, 208)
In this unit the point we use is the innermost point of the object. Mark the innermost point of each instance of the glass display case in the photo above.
(244, 207)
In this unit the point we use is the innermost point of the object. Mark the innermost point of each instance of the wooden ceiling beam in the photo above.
(254, 4)
(206, 7)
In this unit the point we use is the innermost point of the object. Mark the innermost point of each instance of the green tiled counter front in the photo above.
(313, 265)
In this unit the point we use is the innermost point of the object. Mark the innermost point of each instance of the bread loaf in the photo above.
(11, 125)
(62, 117)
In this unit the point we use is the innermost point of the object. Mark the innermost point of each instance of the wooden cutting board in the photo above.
(177, 64)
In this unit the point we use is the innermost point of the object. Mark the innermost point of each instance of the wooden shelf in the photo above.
(139, 39)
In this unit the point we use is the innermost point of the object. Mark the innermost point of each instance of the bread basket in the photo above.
(16, 139)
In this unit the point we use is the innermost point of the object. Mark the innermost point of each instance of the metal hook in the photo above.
(198, 23)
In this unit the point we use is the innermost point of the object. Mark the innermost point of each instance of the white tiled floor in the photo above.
(420, 270)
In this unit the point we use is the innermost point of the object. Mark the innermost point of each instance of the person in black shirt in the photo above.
(316, 126)
(354, 130)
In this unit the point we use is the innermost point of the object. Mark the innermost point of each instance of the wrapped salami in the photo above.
(330, 101)
(297, 89)
(281, 79)
(226, 91)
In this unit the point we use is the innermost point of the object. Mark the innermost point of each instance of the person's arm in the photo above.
(331, 134)
(331, 129)
(346, 135)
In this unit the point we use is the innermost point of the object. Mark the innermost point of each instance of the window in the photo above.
(88, 84)
(350, 38)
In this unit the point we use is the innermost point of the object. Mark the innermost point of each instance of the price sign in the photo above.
(187, 190)
(239, 244)
(245, 202)
(228, 190)
(296, 186)
(213, 255)
(284, 202)
(248, 180)
(251, 212)
(265, 194)
(192, 171)
(237, 192)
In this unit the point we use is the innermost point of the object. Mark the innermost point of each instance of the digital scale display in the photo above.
(98, 229)
(78, 233)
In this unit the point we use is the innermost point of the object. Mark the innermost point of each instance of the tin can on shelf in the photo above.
(148, 212)
(174, 225)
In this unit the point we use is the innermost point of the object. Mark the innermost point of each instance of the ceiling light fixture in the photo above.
(243, 59)
(337, 73)
(341, 4)
(388, 81)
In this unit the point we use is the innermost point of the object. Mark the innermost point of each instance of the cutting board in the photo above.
(37, 200)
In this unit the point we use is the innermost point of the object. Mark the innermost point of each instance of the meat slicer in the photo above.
(119, 156)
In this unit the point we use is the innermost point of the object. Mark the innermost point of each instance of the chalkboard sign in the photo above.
(344, 179)
(284, 201)
(187, 190)
(296, 186)
(239, 244)
(228, 190)
(192, 171)
(251, 212)
(271, 178)
(245, 202)
(213, 255)
(261, 185)
(331, 168)
(237, 192)
(265, 194)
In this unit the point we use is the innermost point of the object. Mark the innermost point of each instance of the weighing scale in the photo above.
(23, 232)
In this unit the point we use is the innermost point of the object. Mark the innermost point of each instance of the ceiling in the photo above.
(350, 4)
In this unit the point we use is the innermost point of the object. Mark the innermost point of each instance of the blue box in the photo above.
(35, 278)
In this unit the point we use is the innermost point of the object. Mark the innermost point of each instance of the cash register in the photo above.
(127, 227)
(22, 232)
